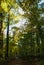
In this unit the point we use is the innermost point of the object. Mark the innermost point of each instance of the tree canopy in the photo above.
(21, 28)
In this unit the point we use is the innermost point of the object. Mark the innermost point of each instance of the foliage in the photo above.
(28, 39)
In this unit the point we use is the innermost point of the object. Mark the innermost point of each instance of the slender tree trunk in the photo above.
(7, 40)
(38, 42)
(1, 34)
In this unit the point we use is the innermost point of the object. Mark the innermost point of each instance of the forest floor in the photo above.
(22, 62)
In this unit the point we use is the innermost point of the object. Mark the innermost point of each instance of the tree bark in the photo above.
(1, 34)
(7, 39)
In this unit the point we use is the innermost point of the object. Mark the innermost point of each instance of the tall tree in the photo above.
(1, 31)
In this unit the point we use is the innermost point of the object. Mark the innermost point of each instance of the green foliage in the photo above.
(27, 40)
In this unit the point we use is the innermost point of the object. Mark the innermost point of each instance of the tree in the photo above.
(1, 34)
(32, 12)
(6, 7)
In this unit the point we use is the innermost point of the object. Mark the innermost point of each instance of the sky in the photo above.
(41, 1)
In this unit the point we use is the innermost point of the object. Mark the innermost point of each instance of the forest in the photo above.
(22, 32)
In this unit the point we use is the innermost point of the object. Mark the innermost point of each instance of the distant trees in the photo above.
(33, 13)
(27, 40)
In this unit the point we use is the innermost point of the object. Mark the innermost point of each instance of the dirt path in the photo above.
(22, 62)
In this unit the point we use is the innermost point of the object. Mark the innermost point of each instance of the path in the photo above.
(22, 62)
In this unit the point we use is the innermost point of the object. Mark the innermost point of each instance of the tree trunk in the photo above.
(1, 34)
(7, 40)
